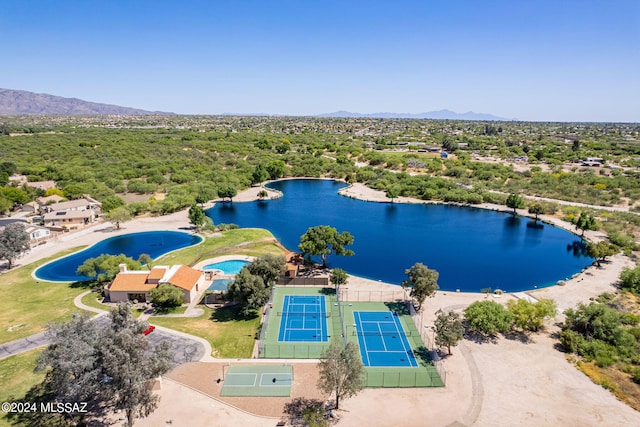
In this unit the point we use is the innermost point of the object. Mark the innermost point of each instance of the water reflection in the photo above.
(578, 249)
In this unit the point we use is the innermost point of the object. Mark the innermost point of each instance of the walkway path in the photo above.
(187, 348)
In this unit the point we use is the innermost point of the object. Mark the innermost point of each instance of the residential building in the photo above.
(70, 215)
(136, 285)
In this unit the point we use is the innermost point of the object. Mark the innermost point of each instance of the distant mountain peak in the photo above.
(17, 102)
(438, 115)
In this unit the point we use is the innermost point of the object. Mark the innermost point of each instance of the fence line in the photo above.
(422, 378)
(304, 281)
(343, 329)
(265, 319)
(292, 351)
(357, 295)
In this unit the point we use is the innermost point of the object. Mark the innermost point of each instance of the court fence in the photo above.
(303, 281)
(357, 295)
(428, 336)
(292, 351)
(265, 320)
(421, 378)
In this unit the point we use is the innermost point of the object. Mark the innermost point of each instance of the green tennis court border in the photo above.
(271, 348)
(425, 375)
(258, 380)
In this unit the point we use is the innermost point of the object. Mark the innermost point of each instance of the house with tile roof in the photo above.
(136, 285)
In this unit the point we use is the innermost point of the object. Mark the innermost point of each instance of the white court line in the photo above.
(275, 375)
(255, 377)
(364, 341)
(402, 340)
(382, 338)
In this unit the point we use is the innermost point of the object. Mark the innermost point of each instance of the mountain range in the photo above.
(17, 102)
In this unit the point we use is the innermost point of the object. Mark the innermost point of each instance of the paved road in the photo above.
(24, 344)
(184, 348)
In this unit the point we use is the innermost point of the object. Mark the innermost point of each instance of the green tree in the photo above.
(262, 194)
(448, 329)
(536, 209)
(276, 169)
(145, 259)
(108, 365)
(14, 241)
(111, 202)
(423, 282)
(105, 267)
(487, 317)
(227, 192)
(575, 146)
(586, 222)
(530, 316)
(268, 267)
(341, 371)
(129, 366)
(166, 296)
(338, 277)
(323, 240)
(118, 216)
(630, 279)
(449, 144)
(515, 201)
(260, 174)
(248, 290)
(72, 359)
(393, 192)
(601, 250)
(5, 204)
(197, 217)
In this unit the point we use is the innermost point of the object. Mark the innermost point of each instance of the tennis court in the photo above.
(258, 380)
(303, 319)
(382, 339)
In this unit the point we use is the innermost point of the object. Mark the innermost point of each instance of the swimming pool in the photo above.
(232, 266)
(153, 243)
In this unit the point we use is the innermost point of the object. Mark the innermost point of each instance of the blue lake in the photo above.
(153, 243)
(471, 248)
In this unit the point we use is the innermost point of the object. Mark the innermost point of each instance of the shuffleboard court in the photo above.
(382, 340)
(258, 380)
(303, 319)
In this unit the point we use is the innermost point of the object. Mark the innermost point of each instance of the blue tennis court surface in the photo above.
(303, 318)
(382, 339)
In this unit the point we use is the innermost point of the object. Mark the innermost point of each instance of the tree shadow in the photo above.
(534, 225)
(327, 291)
(578, 248)
(520, 336)
(232, 313)
(558, 345)
(399, 307)
(424, 355)
(86, 284)
(480, 338)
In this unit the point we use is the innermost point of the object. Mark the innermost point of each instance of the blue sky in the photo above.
(560, 60)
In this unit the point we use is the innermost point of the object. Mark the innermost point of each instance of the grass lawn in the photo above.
(27, 305)
(17, 377)
(93, 299)
(231, 335)
(242, 241)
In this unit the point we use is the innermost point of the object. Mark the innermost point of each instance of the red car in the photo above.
(149, 330)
